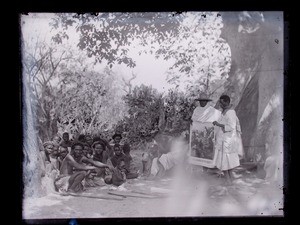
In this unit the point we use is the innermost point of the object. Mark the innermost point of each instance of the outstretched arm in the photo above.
(95, 163)
(78, 165)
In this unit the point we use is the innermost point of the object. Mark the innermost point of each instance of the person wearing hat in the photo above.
(204, 112)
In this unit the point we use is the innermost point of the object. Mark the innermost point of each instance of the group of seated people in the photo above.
(91, 161)
(86, 162)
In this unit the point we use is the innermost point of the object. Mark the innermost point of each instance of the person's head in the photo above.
(117, 149)
(224, 101)
(148, 138)
(63, 151)
(98, 147)
(89, 139)
(77, 149)
(121, 165)
(126, 148)
(202, 99)
(117, 138)
(48, 147)
(66, 136)
(81, 138)
(96, 138)
(86, 149)
(108, 179)
(55, 149)
(57, 139)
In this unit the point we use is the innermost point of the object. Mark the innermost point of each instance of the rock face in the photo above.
(256, 80)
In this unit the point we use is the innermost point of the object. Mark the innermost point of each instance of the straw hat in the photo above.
(203, 97)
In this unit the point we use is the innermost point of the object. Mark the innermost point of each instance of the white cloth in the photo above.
(206, 114)
(226, 147)
(175, 156)
(154, 167)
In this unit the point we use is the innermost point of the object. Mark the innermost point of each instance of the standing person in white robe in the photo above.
(228, 143)
(204, 112)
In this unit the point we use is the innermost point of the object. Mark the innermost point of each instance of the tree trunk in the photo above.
(256, 81)
(31, 163)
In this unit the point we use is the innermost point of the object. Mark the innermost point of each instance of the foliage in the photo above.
(90, 102)
(202, 59)
(41, 66)
(149, 113)
(202, 143)
(201, 55)
(107, 36)
(144, 104)
(178, 110)
(65, 95)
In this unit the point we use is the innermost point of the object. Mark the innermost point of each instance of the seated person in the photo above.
(130, 173)
(100, 155)
(117, 175)
(176, 155)
(56, 139)
(151, 151)
(118, 155)
(117, 137)
(81, 138)
(49, 156)
(73, 171)
(66, 142)
(62, 153)
(89, 140)
(87, 151)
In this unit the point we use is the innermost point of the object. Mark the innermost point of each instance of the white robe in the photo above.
(205, 114)
(228, 144)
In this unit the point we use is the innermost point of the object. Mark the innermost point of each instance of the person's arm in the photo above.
(193, 118)
(109, 162)
(216, 123)
(230, 123)
(77, 165)
(95, 163)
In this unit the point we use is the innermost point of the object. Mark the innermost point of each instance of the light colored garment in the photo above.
(175, 156)
(62, 183)
(154, 167)
(228, 144)
(206, 114)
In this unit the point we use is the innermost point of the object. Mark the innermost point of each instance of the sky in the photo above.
(149, 71)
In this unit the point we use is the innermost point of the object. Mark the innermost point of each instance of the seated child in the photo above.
(116, 176)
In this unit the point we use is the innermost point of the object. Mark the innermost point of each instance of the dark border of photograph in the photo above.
(65, 6)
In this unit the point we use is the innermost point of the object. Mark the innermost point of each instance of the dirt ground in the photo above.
(182, 193)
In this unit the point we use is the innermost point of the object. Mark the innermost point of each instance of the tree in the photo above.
(144, 104)
(42, 64)
(107, 36)
(91, 102)
(191, 39)
(201, 55)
